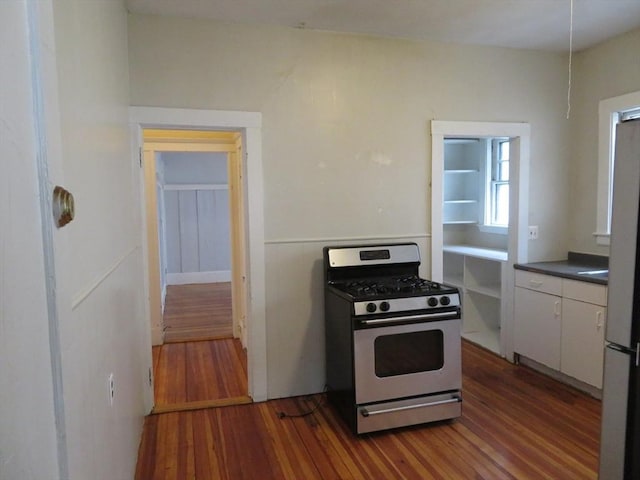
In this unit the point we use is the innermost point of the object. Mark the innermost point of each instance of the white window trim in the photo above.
(607, 109)
(486, 225)
(497, 229)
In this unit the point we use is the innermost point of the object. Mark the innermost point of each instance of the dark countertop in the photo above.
(576, 262)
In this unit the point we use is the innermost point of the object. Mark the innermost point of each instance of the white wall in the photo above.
(346, 142)
(608, 70)
(98, 255)
(27, 423)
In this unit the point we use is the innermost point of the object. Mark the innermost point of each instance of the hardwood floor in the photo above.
(516, 424)
(194, 375)
(197, 312)
(192, 371)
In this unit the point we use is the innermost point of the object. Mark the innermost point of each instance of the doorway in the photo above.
(247, 127)
(194, 216)
(197, 220)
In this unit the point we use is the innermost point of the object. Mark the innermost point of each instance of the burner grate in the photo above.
(395, 285)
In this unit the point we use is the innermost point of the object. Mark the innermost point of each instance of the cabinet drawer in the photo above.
(539, 282)
(584, 292)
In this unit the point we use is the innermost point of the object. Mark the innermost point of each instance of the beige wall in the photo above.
(346, 148)
(27, 418)
(346, 118)
(57, 351)
(607, 70)
(98, 256)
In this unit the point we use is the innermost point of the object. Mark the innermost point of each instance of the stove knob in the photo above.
(384, 306)
(445, 301)
(371, 307)
(432, 302)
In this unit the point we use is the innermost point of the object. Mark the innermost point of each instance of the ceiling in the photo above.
(530, 24)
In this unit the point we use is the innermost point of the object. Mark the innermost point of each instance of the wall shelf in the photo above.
(461, 182)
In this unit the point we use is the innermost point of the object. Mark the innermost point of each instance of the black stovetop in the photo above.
(409, 285)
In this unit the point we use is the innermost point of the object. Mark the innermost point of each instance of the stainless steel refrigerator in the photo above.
(620, 438)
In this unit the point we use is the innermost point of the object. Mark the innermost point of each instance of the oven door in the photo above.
(400, 361)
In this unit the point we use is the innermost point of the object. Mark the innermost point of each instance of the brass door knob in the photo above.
(63, 206)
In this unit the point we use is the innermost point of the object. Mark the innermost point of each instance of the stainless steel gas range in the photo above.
(393, 355)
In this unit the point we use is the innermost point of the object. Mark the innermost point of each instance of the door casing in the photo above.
(250, 186)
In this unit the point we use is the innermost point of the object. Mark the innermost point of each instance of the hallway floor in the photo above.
(515, 424)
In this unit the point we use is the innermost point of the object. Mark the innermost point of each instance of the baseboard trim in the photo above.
(195, 338)
(185, 278)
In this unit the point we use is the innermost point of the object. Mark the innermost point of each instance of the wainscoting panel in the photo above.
(295, 310)
(197, 231)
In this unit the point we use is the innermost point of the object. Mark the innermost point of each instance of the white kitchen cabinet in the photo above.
(560, 323)
(583, 322)
(478, 273)
(537, 326)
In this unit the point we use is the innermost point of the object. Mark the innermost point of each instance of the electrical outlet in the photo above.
(111, 389)
(533, 232)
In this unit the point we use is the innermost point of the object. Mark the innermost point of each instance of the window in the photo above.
(494, 211)
(497, 202)
(611, 112)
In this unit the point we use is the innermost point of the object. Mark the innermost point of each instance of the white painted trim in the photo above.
(437, 199)
(602, 238)
(185, 278)
(256, 324)
(179, 118)
(607, 108)
(493, 229)
(455, 129)
(251, 124)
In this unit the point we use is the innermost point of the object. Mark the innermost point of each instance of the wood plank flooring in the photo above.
(516, 424)
(194, 375)
(197, 312)
(200, 364)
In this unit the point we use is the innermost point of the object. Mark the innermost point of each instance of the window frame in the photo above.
(487, 224)
(495, 180)
(609, 111)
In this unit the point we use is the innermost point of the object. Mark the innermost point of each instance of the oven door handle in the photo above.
(366, 413)
(409, 318)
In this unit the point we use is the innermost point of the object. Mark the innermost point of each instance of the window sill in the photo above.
(602, 238)
(493, 229)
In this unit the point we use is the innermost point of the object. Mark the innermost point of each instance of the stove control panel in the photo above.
(406, 304)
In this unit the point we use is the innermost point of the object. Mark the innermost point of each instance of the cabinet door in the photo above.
(537, 326)
(583, 341)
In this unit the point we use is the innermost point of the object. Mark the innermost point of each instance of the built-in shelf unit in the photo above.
(479, 274)
(462, 166)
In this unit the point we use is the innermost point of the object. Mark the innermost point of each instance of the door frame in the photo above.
(182, 141)
(250, 126)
